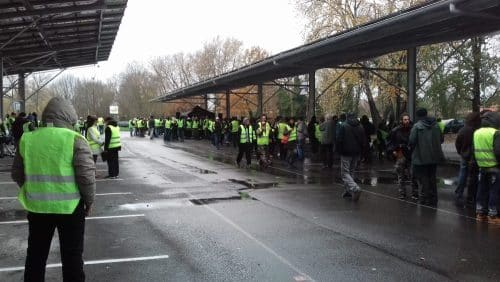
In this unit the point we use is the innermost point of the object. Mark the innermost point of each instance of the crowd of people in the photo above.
(414, 147)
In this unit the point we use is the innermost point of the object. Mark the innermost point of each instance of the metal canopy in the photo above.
(429, 23)
(38, 35)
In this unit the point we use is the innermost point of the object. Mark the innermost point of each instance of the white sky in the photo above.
(163, 27)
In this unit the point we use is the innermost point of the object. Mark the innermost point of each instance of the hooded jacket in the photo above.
(425, 140)
(60, 113)
(351, 140)
(463, 143)
(492, 119)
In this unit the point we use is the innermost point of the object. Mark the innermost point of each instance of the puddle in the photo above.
(243, 196)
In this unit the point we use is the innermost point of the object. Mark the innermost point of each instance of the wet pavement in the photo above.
(184, 212)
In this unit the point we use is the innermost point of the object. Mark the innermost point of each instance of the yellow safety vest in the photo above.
(115, 137)
(263, 137)
(50, 185)
(244, 137)
(483, 147)
(93, 145)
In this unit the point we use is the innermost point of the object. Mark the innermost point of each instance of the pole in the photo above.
(260, 100)
(228, 104)
(311, 109)
(1, 87)
(22, 92)
(412, 81)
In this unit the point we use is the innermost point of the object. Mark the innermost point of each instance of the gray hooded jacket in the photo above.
(60, 113)
(425, 140)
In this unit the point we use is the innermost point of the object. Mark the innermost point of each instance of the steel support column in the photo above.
(411, 62)
(228, 104)
(260, 100)
(22, 92)
(1, 87)
(311, 105)
(206, 101)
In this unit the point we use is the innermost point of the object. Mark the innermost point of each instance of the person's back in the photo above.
(351, 139)
(46, 156)
(426, 139)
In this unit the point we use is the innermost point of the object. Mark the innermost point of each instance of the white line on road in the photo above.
(88, 218)
(7, 182)
(109, 179)
(99, 194)
(91, 262)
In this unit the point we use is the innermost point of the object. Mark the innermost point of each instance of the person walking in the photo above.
(263, 136)
(487, 155)
(468, 172)
(425, 141)
(112, 145)
(93, 137)
(56, 174)
(246, 135)
(400, 149)
(327, 130)
(351, 144)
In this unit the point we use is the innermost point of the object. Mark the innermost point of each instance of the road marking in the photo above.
(91, 262)
(112, 194)
(7, 182)
(109, 179)
(88, 218)
(100, 194)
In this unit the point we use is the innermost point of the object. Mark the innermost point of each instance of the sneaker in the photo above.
(346, 195)
(481, 217)
(355, 196)
(494, 220)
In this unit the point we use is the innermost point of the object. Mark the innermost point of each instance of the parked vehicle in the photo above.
(453, 126)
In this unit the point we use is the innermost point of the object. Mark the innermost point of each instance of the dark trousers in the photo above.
(113, 165)
(244, 148)
(41, 230)
(326, 150)
(426, 178)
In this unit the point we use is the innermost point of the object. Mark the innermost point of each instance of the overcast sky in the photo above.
(162, 27)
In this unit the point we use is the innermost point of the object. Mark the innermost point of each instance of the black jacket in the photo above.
(351, 140)
(400, 139)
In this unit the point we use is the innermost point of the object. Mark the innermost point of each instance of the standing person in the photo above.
(131, 125)
(151, 127)
(327, 140)
(400, 149)
(20, 125)
(487, 155)
(112, 145)
(263, 137)
(291, 145)
(168, 130)
(351, 144)
(282, 126)
(425, 141)
(93, 137)
(302, 134)
(369, 131)
(314, 133)
(468, 173)
(45, 156)
(235, 125)
(217, 128)
(181, 123)
(246, 135)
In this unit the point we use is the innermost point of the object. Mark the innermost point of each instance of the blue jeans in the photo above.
(487, 194)
(462, 179)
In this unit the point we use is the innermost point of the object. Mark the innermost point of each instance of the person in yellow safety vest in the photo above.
(93, 137)
(282, 126)
(157, 124)
(291, 145)
(181, 124)
(57, 184)
(168, 130)
(441, 125)
(196, 128)
(100, 124)
(235, 125)
(246, 135)
(131, 125)
(486, 144)
(112, 145)
(263, 136)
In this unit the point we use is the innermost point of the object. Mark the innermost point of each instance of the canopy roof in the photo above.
(37, 35)
(429, 23)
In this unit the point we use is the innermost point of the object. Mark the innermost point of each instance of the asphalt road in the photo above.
(184, 212)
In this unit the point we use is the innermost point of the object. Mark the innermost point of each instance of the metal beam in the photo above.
(62, 47)
(43, 12)
(260, 100)
(98, 37)
(369, 68)
(228, 104)
(45, 84)
(412, 81)
(1, 87)
(311, 105)
(22, 92)
(331, 84)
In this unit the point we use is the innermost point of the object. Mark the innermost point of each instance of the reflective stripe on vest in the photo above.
(92, 144)
(114, 142)
(50, 185)
(483, 147)
(244, 137)
(263, 138)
